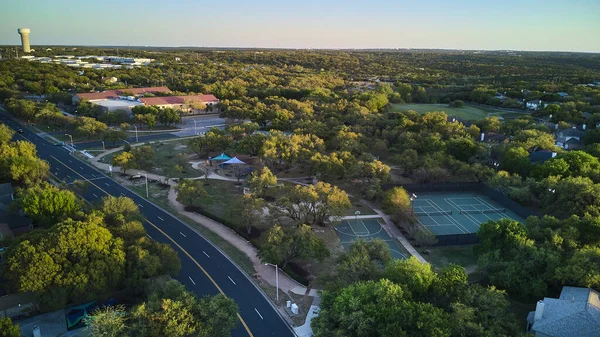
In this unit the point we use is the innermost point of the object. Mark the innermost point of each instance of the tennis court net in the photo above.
(434, 213)
(484, 211)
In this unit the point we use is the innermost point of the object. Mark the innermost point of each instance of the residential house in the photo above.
(10, 222)
(541, 156)
(576, 313)
(534, 105)
(570, 139)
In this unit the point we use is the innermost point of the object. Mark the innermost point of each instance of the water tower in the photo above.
(24, 32)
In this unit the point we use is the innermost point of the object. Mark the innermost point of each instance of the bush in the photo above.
(456, 104)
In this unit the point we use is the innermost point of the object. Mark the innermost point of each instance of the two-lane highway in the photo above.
(205, 270)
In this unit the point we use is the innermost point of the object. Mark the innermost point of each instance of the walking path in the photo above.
(266, 273)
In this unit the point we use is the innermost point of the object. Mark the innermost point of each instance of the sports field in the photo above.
(367, 229)
(470, 113)
(445, 213)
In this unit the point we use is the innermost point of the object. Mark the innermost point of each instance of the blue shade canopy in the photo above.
(234, 160)
(222, 156)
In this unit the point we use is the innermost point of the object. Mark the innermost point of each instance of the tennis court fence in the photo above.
(483, 211)
(433, 213)
(499, 197)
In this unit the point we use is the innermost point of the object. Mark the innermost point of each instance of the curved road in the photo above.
(205, 270)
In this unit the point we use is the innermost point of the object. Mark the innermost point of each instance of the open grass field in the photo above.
(468, 112)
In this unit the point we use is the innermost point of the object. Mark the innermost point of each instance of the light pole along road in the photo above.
(205, 270)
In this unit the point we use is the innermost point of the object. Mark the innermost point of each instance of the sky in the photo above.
(549, 25)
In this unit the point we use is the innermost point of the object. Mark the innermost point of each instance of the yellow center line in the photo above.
(174, 242)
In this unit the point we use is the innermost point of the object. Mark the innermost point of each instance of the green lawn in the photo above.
(440, 257)
(159, 196)
(466, 113)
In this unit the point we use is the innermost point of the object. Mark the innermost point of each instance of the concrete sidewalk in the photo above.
(266, 273)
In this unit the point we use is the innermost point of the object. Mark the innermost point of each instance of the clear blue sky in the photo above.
(572, 25)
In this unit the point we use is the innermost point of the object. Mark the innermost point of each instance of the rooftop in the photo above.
(167, 100)
(576, 313)
(91, 96)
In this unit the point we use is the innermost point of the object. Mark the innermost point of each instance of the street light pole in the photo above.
(136, 134)
(103, 147)
(195, 129)
(146, 176)
(276, 280)
(356, 214)
(66, 134)
(412, 205)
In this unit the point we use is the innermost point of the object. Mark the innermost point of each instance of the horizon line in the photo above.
(303, 48)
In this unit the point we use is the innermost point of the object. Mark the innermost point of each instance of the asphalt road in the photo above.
(189, 126)
(204, 269)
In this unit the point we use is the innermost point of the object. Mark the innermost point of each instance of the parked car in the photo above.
(20, 130)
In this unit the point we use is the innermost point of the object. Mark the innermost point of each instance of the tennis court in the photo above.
(445, 213)
(367, 229)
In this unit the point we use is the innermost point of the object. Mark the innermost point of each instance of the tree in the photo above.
(113, 135)
(516, 160)
(47, 204)
(72, 260)
(19, 163)
(314, 204)
(171, 310)
(361, 261)
(396, 201)
(190, 192)
(124, 160)
(143, 157)
(107, 322)
(374, 170)
(456, 104)
(168, 116)
(462, 148)
(281, 246)
(262, 180)
(214, 140)
(6, 134)
(252, 211)
(8, 329)
(490, 124)
(378, 308)
(534, 140)
(89, 127)
(118, 210)
(191, 104)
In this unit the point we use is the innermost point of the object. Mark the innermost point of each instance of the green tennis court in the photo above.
(445, 213)
(367, 229)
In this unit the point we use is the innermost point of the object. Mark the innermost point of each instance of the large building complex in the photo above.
(129, 98)
(92, 61)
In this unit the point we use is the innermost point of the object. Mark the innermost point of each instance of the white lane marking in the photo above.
(192, 280)
(70, 161)
(57, 168)
(148, 235)
(107, 184)
(93, 175)
(94, 194)
(81, 168)
(258, 313)
(161, 219)
(206, 254)
(183, 234)
(141, 205)
(122, 194)
(231, 281)
(68, 176)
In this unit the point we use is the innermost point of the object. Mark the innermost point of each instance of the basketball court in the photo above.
(457, 212)
(367, 229)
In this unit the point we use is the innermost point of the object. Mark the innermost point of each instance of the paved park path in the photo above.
(263, 272)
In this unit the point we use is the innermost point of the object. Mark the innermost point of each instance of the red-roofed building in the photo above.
(115, 94)
(179, 102)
